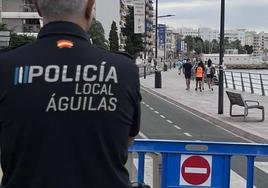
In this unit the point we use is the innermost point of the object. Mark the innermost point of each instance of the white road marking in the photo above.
(156, 112)
(169, 121)
(188, 134)
(162, 116)
(142, 102)
(262, 166)
(192, 170)
(177, 127)
(246, 139)
(151, 108)
(237, 180)
(147, 105)
(143, 135)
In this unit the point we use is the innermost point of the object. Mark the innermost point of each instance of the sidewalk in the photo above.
(206, 103)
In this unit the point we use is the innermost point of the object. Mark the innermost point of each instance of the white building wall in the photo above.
(208, 34)
(229, 59)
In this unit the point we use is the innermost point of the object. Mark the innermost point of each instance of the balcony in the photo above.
(29, 8)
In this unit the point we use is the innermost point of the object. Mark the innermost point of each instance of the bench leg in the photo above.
(263, 115)
(245, 113)
(232, 115)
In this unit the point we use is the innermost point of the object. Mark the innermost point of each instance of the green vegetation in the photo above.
(97, 34)
(134, 42)
(197, 46)
(113, 38)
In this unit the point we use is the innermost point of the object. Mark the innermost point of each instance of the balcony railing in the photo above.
(29, 8)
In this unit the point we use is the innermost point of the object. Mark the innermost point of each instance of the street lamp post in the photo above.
(156, 29)
(221, 65)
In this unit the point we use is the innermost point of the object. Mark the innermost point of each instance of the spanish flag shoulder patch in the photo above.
(65, 44)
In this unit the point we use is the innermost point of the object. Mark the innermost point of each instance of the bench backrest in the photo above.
(235, 98)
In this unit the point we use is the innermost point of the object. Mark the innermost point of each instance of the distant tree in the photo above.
(198, 47)
(249, 49)
(134, 42)
(215, 46)
(113, 38)
(206, 47)
(190, 43)
(97, 34)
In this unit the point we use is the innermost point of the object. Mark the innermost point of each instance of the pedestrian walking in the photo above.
(68, 110)
(179, 65)
(187, 70)
(210, 72)
(199, 72)
(204, 68)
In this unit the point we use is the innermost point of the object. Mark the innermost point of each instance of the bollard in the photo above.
(158, 79)
(144, 73)
(165, 67)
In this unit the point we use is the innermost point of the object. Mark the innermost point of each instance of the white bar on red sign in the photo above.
(196, 170)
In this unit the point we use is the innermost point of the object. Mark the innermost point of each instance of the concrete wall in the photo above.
(14, 24)
(4, 39)
(12, 5)
(0, 10)
(229, 59)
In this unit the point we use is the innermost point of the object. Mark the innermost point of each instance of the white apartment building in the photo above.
(184, 31)
(249, 40)
(229, 59)
(211, 34)
(260, 44)
(237, 34)
(208, 34)
(20, 16)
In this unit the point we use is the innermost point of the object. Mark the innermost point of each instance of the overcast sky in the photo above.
(244, 14)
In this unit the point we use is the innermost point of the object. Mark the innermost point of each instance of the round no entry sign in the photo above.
(196, 170)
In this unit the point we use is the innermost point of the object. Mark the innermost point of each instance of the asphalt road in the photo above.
(163, 119)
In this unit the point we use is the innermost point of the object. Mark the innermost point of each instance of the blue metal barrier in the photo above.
(197, 164)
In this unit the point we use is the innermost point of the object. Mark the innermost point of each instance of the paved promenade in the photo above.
(205, 104)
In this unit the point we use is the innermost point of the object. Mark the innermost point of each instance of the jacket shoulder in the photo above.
(125, 54)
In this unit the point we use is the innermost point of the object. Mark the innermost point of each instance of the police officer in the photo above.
(67, 109)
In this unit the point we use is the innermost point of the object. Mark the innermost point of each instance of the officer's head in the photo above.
(77, 11)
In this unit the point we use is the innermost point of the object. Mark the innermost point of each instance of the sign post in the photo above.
(139, 16)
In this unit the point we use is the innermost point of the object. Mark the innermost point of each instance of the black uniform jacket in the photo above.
(67, 109)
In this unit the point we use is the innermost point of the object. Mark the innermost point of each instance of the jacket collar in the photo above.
(63, 28)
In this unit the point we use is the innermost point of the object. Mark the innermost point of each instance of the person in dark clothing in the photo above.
(68, 110)
(187, 70)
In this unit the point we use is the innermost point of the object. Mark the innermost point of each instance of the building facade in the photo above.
(208, 34)
(250, 38)
(21, 16)
(260, 44)
(237, 34)
(229, 59)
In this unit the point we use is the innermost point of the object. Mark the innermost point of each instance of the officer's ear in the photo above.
(37, 7)
(90, 7)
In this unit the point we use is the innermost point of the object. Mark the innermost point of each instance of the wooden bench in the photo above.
(237, 99)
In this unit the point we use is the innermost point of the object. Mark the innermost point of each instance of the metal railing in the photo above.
(247, 82)
(147, 68)
(174, 153)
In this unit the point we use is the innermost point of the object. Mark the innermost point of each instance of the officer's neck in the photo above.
(83, 23)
